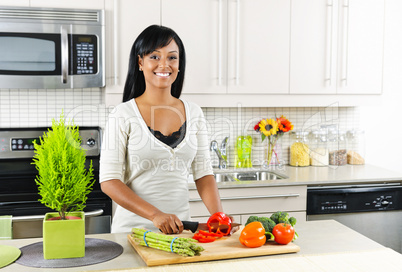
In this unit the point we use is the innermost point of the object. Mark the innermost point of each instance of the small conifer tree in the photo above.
(63, 182)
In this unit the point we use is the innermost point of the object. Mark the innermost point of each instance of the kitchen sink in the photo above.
(246, 175)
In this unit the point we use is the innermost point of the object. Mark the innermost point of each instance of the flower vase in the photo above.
(272, 153)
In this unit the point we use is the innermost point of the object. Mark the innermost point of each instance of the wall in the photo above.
(36, 108)
(382, 121)
(234, 122)
(19, 108)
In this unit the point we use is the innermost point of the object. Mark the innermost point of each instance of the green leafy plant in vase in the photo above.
(63, 184)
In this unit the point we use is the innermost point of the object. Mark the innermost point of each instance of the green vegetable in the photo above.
(280, 217)
(252, 218)
(292, 221)
(270, 222)
(63, 181)
(266, 222)
(181, 246)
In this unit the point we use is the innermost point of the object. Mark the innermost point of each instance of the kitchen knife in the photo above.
(194, 226)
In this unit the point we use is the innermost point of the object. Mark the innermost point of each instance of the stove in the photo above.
(19, 192)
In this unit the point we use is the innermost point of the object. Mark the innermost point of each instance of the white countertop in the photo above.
(317, 176)
(316, 238)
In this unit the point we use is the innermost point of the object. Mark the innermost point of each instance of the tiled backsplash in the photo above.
(234, 122)
(36, 108)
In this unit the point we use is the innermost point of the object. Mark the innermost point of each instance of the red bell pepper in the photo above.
(219, 223)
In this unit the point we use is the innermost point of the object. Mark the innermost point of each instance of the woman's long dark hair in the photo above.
(152, 38)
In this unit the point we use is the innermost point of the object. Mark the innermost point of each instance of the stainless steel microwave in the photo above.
(44, 48)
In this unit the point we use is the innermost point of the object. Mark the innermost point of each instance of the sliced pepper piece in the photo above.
(210, 234)
(206, 240)
(219, 223)
(197, 236)
(253, 235)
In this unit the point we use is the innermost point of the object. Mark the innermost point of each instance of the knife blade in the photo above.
(194, 226)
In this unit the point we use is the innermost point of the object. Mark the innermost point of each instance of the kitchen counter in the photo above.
(326, 239)
(317, 176)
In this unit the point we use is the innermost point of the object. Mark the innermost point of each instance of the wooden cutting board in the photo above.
(223, 248)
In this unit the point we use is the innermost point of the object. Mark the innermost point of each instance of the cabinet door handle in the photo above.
(237, 64)
(220, 33)
(328, 65)
(64, 55)
(345, 37)
(250, 197)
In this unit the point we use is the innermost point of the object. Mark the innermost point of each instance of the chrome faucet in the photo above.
(221, 152)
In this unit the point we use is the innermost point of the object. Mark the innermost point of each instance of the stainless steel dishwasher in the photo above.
(374, 210)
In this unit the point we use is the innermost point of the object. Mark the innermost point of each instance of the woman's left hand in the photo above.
(168, 223)
(233, 230)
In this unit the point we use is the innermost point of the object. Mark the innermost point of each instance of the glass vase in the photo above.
(272, 153)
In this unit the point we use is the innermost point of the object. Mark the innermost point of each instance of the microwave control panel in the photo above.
(85, 54)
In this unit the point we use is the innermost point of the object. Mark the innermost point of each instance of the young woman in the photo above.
(154, 139)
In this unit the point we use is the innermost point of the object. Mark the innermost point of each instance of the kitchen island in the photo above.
(324, 246)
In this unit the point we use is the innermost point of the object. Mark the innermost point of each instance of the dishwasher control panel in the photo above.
(354, 199)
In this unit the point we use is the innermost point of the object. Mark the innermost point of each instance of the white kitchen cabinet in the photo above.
(233, 46)
(336, 46)
(21, 3)
(74, 4)
(202, 28)
(260, 53)
(360, 64)
(260, 201)
(125, 20)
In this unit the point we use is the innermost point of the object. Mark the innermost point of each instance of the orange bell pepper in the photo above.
(253, 235)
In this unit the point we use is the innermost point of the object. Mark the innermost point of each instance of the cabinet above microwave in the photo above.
(51, 48)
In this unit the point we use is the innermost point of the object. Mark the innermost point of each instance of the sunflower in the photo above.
(284, 125)
(268, 127)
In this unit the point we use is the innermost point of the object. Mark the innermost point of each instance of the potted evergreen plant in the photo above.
(63, 184)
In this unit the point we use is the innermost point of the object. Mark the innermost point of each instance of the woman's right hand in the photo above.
(168, 223)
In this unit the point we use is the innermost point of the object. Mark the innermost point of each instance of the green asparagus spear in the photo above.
(181, 246)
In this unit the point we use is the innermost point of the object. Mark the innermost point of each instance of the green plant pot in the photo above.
(64, 238)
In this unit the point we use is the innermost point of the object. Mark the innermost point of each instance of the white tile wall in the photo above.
(36, 108)
(234, 122)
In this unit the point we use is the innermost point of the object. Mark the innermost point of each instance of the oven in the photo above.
(19, 192)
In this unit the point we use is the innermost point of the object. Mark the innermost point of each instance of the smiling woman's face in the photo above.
(161, 66)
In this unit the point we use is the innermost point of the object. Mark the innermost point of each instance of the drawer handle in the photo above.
(41, 216)
(250, 197)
